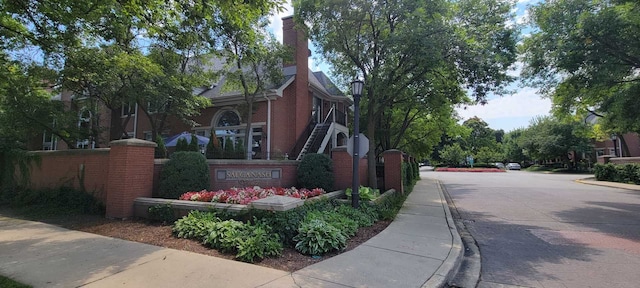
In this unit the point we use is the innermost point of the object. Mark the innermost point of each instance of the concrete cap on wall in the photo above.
(340, 148)
(392, 151)
(133, 142)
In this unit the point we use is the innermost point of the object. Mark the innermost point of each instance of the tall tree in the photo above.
(254, 61)
(584, 54)
(397, 46)
(549, 138)
(481, 135)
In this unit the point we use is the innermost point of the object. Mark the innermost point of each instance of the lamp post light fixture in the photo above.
(356, 91)
(614, 138)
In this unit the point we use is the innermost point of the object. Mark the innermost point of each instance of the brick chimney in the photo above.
(298, 40)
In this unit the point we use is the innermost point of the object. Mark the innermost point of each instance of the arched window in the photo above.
(230, 130)
(84, 123)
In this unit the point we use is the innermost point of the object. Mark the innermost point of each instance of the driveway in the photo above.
(545, 230)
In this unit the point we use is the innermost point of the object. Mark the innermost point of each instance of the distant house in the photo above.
(627, 145)
(304, 114)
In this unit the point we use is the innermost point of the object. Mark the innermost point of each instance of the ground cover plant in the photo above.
(6, 282)
(252, 247)
(366, 193)
(316, 228)
(247, 195)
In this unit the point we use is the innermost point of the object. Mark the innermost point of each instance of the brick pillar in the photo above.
(393, 170)
(130, 175)
(343, 169)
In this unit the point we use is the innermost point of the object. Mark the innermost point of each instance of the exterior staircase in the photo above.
(317, 140)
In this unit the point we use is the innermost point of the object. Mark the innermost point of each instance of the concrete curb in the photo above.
(592, 181)
(451, 264)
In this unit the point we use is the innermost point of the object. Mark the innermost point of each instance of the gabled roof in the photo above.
(318, 81)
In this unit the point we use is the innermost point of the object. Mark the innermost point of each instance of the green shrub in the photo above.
(250, 242)
(162, 212)
(196, 225)
(184, 172)
(364, 219)
(390, 206)
(160, 150)
(317, 237)
(365, 193)
(57, 201)
(258, 243)
(229, 149)
(238, 151)
(316, 171)
(182, 145)
(193, 145)
(286, 223)
(347, 226)
(605, 172)
(407, 176)
(225, 236)
(213, 148)
(631, 173)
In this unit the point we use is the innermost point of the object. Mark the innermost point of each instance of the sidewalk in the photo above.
(420, 248)
(593, 181)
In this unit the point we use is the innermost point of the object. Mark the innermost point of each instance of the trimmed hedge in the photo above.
(625, 173)
(316, 171)
(185, 172)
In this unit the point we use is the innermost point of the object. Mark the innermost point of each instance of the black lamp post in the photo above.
(614, 137)
(356, 91)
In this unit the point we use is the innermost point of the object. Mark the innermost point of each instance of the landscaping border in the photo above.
(183, 207)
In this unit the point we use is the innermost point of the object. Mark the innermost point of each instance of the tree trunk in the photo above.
(371, 156)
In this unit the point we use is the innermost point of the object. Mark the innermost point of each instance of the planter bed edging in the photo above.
(183, 207)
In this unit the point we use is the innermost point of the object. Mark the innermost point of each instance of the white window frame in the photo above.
(132, 110)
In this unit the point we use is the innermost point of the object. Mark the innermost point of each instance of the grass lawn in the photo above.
(6, 282)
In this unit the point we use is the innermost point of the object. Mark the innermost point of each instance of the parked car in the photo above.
(499, 165)
(513, 166)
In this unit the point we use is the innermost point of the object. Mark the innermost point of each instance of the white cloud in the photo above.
(276, 20)
(522, 19)
(515, 69)
(524, 103)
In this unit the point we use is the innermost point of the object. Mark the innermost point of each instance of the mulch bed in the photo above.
(157, 234)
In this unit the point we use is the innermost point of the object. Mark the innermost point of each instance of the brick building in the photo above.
(304, 114)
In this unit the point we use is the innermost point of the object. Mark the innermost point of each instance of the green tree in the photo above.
(118, 53)
(193, 144)
(401, 48)
(254, 61)
(161, 149)
(548, 138)
(584, 55)
(182, 145)
(512, 149)
(481, 136)
(213, 147)
(452, 155)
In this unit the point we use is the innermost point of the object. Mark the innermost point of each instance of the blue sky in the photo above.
(506, 112)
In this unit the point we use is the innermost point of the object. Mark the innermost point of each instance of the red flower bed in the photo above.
(445, 169)
(247, 195)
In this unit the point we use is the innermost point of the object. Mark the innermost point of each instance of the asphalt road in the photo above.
(545, 230)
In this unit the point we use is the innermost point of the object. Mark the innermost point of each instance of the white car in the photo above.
(513, 166)
(499, 165)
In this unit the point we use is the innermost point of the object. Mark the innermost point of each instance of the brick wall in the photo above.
(130, 175)
(624, 160)
(393, 170)
(343, 169)
(288, 168)
(64, 168)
